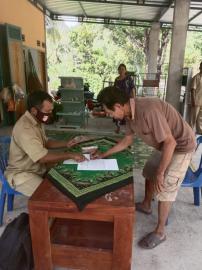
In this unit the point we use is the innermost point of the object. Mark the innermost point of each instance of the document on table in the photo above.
(98, 165)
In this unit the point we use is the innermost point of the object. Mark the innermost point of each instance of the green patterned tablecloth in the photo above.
(140, 150)
(84, 186)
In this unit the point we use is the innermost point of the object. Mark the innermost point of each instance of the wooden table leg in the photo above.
(40, 240)
(123, 239)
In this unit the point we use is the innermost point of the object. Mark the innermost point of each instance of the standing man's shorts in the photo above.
(174, 174)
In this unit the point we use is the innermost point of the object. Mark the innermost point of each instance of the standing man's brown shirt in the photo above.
(155, 120)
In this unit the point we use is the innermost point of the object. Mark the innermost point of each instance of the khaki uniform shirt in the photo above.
(197, 88)
(155, 120)
(26, 148)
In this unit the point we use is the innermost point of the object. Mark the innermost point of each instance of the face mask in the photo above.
(45, 118)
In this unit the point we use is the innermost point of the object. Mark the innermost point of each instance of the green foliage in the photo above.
(132, 41)
(91, 51)
(193, 53)
(94, 51)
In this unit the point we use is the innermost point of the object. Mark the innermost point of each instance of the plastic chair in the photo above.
(199, 140)
(194, 178)
(6, 190)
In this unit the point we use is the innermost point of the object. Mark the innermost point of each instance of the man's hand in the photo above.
(96, 155)
(78, 157)
(77, 139)
(159, 183)
(71, 143)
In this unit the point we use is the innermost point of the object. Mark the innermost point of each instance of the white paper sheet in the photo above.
(98, 165)
(71, 161)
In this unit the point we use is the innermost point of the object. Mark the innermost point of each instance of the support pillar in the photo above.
(153, 47)
(152, 54)
(178, 43)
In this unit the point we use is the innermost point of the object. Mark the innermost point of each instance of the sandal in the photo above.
(151, 240)
(140, 208)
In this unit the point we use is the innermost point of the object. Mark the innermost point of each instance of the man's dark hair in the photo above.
(111, 95)
(37, 98)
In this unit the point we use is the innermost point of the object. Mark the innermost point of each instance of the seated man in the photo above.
(159, 125)
(29, 156)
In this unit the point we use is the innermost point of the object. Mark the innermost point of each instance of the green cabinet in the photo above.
(72, 99)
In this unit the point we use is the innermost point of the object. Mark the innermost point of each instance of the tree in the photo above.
(136, 41)
(94, 51)
(59, 56)
(193, 52)
(96, 55)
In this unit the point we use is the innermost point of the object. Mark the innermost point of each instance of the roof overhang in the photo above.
(122, 12)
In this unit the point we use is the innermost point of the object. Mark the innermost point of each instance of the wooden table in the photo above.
(99, 237)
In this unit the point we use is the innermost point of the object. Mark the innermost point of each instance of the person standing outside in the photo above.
(124, 82)
(196, 102)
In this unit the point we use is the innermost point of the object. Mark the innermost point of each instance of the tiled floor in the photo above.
(183, 248)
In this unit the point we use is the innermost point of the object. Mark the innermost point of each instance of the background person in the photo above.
(196, 101)
(125, 83)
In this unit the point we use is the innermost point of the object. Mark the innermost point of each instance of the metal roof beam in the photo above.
(163, 11)
(110, 22)
(84, 12)
(195, 8)
(105, 19)
(120, 12)
(116, 2)
(196, 15)
(191, 27)
(136, 23)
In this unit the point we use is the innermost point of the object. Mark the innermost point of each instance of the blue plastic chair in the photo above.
(6, 190)
(199, 140)
(194, 178)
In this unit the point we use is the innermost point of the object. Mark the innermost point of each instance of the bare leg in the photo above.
(145, 205)
(149, 192)
(153, 239)
(163, 211)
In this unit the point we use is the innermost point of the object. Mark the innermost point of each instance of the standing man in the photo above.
(29, 157)
(159, 125)
(196, 101)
